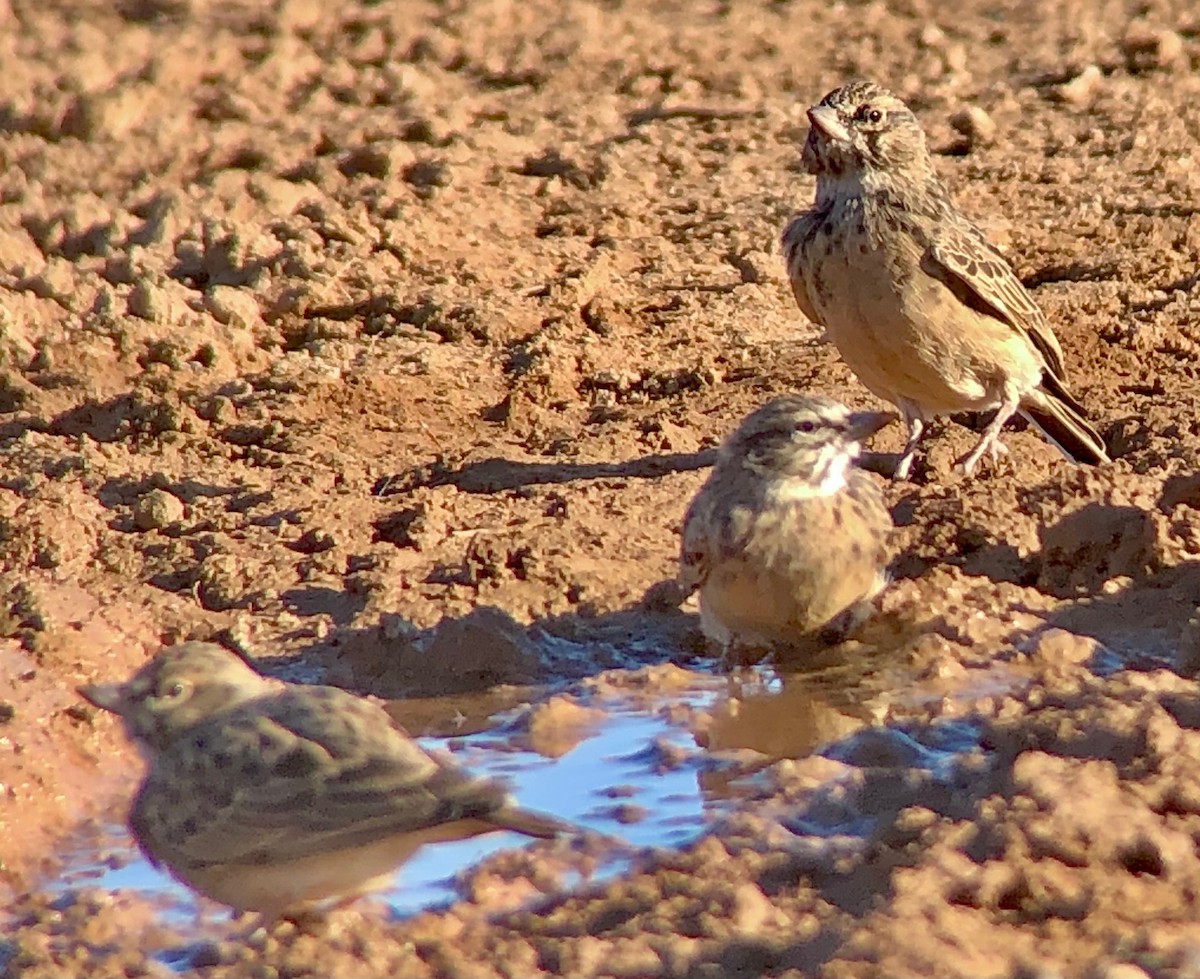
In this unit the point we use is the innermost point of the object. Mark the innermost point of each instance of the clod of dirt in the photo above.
(402, 528)
(1181, 489)
(1149, 48)
(54, 532)
(226, 581)
(1094, 543)
(1059, 646)
(157, 510)
(483, 648)
(1081, 89)
(428, 175)
(976, 126)
(559, 724)
(164, 301)
(232, 306)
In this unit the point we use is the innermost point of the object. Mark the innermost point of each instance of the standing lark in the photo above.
(270, 796)
(787, 541)
(922, 308)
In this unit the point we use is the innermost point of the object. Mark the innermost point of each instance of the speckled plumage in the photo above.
(787, 539)
(922, 308)
(268, 796)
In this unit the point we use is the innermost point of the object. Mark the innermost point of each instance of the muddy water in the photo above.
(651, 767)
(613, 781)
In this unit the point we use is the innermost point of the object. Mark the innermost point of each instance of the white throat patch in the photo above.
(832, 465)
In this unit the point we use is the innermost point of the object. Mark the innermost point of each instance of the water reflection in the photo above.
(612, 771)
(785, 711)
(650, 765)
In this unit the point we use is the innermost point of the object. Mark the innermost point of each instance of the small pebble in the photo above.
(1082, 88)
(975, 124)
(157, 510)
(1148, 48)
(232, 306)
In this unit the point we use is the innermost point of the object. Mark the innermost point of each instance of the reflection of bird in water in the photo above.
(787, 541)
(791, 721)
(269, 796)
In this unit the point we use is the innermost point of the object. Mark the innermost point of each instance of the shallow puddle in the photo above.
(615, 770)
(652, 766)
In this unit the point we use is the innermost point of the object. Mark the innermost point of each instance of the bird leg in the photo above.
(916, 428)
(990, 440)
(847, 622)
(737, 653)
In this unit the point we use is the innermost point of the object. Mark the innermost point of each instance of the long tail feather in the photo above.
(531, 823)
(1059, 417)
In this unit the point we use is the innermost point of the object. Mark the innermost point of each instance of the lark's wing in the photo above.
(962, 258)
(317, 772)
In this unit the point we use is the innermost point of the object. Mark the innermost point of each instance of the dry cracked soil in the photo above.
(386, 341)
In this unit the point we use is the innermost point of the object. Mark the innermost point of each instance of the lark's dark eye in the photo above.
(806, 426)
(870, 114)
(174, 691)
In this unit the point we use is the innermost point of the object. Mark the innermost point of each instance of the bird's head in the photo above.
(804, 441)
(179, 687)
(862, 128)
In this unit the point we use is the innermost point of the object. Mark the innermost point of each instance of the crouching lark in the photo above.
(270, 796)
(788, 540)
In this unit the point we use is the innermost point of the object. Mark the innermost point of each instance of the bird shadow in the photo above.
(495, 474)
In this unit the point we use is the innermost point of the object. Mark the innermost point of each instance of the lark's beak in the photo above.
(106, 696)
(824, 119)
(861, 425)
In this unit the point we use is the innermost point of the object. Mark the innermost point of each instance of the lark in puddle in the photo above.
(788, 540)
(279, 797)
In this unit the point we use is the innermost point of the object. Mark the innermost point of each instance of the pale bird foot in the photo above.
(995, 449)
(904, 466)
